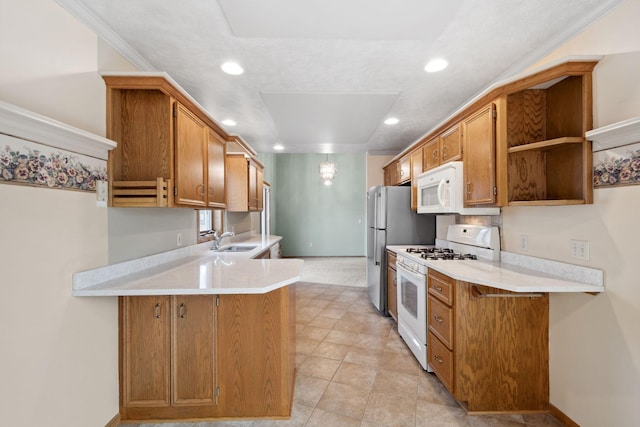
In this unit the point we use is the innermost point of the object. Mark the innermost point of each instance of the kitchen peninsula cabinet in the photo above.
(245, 178)
(169, 150)
(488, 346)
(207, 356)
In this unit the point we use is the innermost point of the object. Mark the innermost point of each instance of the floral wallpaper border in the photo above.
(616, 167)
(30, 163)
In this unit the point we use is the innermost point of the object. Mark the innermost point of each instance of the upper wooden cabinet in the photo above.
(549, 159)
(479, 142)
(169, 153)
(404, 170)
(416, 169)
(451, 145)
(244, 183)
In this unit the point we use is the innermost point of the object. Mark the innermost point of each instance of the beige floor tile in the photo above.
(319, 367)
(400, 362)
(348, 325)
(356, 375)
(344, 399)
(430, 414)
(541, 420)
(322, 322)
(396, 383)
(299, 416)
(373, 342)
(364, 356)
(494, 421)
(320, 418)
(309, 390)
(341, 337)
(332, 313)
(430, 389)
(306, 345)
(331, 350)
(391, 410)
(313, 333)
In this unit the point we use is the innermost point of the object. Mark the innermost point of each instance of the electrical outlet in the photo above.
(524, 242)
(580, 249)
(179, 239)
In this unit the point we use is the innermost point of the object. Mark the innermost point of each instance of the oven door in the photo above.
(412, 312)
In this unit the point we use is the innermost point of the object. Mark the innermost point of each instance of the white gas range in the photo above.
(465, 243)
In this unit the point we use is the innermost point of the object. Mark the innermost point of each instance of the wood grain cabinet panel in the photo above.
(451, 145)
(245, 184)
(190, 149)
(392, 285)
(416, 169)
(479, 142)
(216, 171)
(431, 153)
(489, 347)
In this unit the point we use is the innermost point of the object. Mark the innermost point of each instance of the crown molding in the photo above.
(105, 32)
(25, 124)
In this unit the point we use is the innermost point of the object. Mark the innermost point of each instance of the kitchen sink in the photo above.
(237, 248)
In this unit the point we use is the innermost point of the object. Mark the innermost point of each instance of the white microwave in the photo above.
(441, 190)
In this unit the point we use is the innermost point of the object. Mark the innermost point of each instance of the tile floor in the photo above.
(355, 370)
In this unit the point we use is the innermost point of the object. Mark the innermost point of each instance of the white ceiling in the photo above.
(322, 75)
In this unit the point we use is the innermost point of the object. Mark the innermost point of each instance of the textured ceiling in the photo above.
(322, 75)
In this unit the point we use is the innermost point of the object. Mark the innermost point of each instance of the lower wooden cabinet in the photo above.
(489, 347)
(392, 285)
(206, 356)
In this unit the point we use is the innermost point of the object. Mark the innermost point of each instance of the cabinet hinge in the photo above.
(217, 301)
(217, 391)
(175, 110)
(494, 113)
(175, 191)
(495, 191)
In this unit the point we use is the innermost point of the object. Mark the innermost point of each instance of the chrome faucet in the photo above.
(218, 238)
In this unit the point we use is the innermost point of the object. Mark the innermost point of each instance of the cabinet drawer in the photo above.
(441, 286)
(440, 360)
(391, 259)
(440, 321)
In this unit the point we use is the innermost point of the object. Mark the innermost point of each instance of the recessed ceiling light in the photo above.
(229, 122)
(232, 68)
(278, 147)
(435, 65)
(391, 121)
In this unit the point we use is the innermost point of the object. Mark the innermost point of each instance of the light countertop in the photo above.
(192, 271)
(520, 273)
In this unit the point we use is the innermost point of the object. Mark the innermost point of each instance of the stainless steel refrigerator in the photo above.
(390, 221)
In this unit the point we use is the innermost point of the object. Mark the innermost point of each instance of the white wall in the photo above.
(594, 340)
(58, 361)
(375, 173)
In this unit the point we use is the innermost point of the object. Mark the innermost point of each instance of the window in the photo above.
(208, 221)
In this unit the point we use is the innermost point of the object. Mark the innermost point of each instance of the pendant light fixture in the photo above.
(327, 171)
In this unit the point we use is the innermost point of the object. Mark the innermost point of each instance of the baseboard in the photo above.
(562, 417)
(115, 421)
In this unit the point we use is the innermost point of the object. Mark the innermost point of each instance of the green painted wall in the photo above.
(315, 219)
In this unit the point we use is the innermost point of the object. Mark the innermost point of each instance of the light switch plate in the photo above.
(580, 249)
(101, 194)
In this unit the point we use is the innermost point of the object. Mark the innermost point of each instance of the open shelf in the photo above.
(546, 145)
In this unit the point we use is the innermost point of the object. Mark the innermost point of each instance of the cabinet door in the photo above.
(237, 183)
(193, 350)
(260, 188)
(389, 176)
(253, 187)
(431, 154)
(404, 169)
(416, 169)
(144, 351)
(451, 145)
(392, 293)
(479, 165)
(189, 158)
(216, 154)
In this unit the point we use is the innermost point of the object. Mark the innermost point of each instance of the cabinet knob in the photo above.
(156, 310)
(444, 152)
(437, 318)
(469, 188)
(435, 155)
(438, 288)
(438, 358)
(201, 191)
(181, 311)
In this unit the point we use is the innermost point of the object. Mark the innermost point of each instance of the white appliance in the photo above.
(465, 243)
(441, 190)
(390, 221)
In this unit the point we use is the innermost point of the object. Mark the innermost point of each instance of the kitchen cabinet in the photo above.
(168, 152)
(404, 170)
(392, 285)
(479, 142)
(549, 159)
(416, 169)
(488, 347)
(205, 356)
(244, 183)
(443, 148)
(160, 338)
